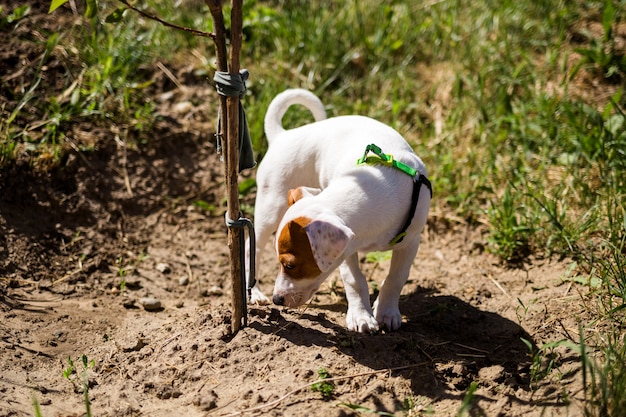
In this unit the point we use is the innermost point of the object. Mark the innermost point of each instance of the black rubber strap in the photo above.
(243, 223)
(417, 186)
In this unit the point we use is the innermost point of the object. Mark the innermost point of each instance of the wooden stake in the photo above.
(230, 135)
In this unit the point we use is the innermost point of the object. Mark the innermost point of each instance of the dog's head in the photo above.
(309, 247)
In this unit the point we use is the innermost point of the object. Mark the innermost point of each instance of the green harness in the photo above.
(377, 157)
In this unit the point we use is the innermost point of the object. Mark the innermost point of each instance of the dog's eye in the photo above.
(287, 262)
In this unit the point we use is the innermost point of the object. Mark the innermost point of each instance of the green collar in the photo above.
(383, 159)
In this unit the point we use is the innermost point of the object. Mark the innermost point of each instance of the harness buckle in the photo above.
(384, 159)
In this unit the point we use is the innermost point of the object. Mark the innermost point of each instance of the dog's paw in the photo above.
(362, 322)
(389, 317)
(257, 297)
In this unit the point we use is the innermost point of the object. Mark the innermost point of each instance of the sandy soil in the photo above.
(83, 244)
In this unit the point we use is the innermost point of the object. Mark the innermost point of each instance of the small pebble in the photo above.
(163, 268)
(206, 402)
(150, 303)
(215, 290)
(183, 280)
(182, 107)
(139, 344)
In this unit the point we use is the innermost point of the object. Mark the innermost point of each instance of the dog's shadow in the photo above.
(441, 347)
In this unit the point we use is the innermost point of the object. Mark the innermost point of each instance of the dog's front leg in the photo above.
(256, 295)
(267, 214)
(386, 309)
(359, 317)
(270, 207)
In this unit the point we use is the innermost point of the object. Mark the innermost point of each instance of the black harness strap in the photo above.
(417, 186)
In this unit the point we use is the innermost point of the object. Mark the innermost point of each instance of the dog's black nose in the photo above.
(279, 300)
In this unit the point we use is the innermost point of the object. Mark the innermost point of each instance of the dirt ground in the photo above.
(83, 245)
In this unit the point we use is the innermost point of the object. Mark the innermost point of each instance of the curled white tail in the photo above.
(278, 107)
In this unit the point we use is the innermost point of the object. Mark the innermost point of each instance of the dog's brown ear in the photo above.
(294, 195)
(301, 192)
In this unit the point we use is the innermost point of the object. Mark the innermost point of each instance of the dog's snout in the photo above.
(279, 300)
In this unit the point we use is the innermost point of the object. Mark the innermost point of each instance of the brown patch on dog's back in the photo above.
(294, 250)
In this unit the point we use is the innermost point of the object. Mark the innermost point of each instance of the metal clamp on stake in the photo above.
(243, 223)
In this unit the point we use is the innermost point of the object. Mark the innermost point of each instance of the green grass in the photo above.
(516, 107)
(80, 382)
(326, 389)
(468, 401)
(605, 377)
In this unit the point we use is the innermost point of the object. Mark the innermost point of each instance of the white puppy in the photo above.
(325, 207)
